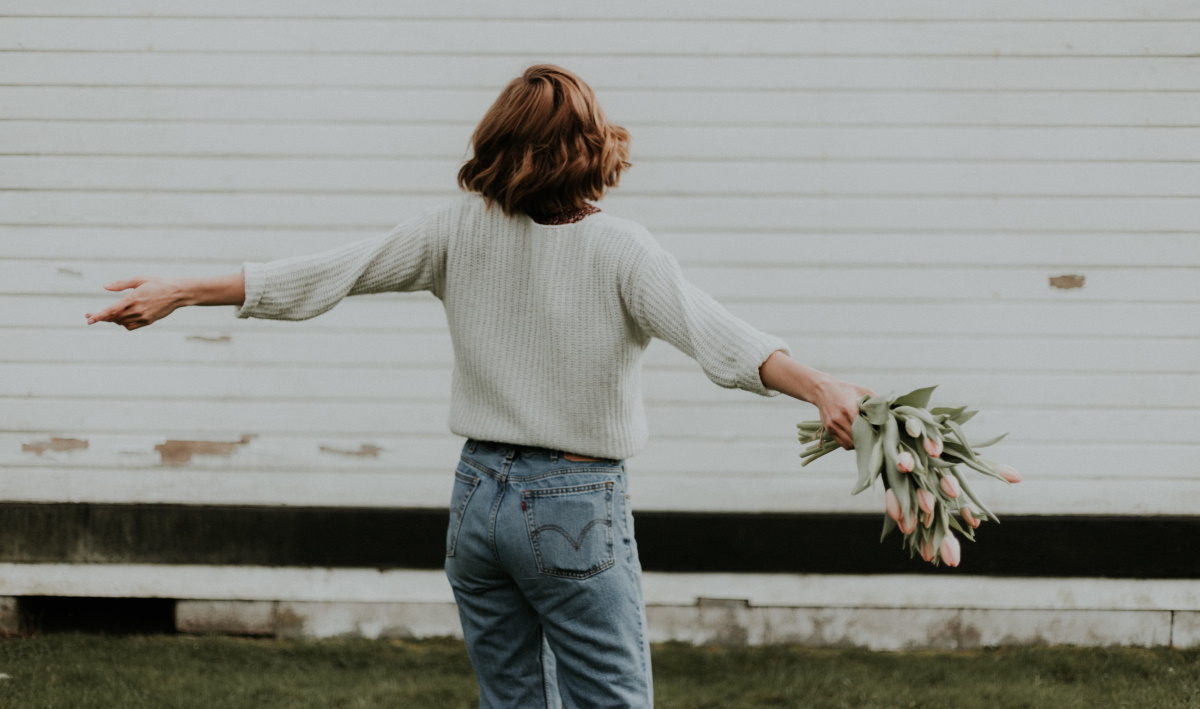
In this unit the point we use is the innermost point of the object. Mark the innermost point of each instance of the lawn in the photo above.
(84, 671)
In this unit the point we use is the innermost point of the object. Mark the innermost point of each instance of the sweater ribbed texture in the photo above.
(548, 323)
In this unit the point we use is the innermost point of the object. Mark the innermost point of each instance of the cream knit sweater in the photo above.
(548, 323)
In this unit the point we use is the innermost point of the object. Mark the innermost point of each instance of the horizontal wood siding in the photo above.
(897, 189)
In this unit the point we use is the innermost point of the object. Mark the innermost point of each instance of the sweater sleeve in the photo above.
(668, 306)
(303, 287)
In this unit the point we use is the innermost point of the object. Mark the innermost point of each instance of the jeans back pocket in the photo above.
(571, 528)
(464, 488)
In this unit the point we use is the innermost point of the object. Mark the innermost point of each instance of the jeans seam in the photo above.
(542, 667)
(460, 513)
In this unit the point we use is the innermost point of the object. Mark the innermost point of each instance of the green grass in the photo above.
(95, 671)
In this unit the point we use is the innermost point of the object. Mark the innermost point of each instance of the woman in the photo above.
(550, 304)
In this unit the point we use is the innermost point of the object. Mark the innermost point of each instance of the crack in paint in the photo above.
(175, 452)
(209, 338)
(1067, 282)
(54, 444)
(364, 450)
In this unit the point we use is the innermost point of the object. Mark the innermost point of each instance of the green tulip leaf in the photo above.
(964, 529)
(865, 443)
(962, 438)
(918, 398)
(888, 525)
(876, 409)
(970, 493)
(946, 411)
(991, 441)
(962, 418)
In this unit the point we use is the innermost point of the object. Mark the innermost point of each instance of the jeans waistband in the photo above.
(512, 450)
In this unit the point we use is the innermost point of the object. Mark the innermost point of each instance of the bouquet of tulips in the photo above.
(917, 451)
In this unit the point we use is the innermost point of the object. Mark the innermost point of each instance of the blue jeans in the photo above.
(541, 556)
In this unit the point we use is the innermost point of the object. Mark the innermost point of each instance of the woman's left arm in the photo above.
(154, 298)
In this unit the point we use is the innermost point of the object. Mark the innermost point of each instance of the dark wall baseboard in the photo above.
(1054, 546)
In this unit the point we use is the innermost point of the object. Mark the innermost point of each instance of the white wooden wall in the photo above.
(891, 186)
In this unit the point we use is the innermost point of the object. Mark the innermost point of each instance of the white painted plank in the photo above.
(805, 10)
(1051, 213)
(680, 212)
(896, 247)
(681, 492)
(910, 283)
(571, 37)
(658, 177)
(806, 318)
(210, 381)
(750, 458)
(729, 422)
(104, 342)
(157, 248)
(389, 140)
(603, 72)
(839, 107)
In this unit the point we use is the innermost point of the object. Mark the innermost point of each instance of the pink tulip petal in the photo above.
(1009, 473)
(893, 505)
(951, 550)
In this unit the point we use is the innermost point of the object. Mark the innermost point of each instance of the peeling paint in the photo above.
(365, 450)
(1067, 282)
(176, 452)
(209, 338)
(288, 623)
(54, 444)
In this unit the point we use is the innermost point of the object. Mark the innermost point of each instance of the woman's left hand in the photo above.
(152, 299)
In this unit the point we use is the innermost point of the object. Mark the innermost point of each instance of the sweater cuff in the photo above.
(767, 347)
(255, 279)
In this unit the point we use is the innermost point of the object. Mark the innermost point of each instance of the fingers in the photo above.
(119, 312)
(110, 314)
(838, 428)
(126, 283)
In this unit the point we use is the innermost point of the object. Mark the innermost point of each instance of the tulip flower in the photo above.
(926, 549)
(1009, 473)
(926, 500)
(914, 428)
(886, 433)
(893, 505)
(951, 550)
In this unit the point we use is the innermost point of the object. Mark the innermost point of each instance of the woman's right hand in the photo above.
(837, 401)
(152, 298)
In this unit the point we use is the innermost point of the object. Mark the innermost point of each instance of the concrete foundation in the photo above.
(725, 622)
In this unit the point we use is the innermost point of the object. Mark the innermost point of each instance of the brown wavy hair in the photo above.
(545, 146)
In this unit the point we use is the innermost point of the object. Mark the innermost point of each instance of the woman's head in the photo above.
(545, 146)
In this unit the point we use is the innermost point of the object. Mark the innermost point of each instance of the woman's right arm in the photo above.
(154, 297)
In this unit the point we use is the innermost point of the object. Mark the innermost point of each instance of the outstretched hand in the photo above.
(837, 402)
(152, 298)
